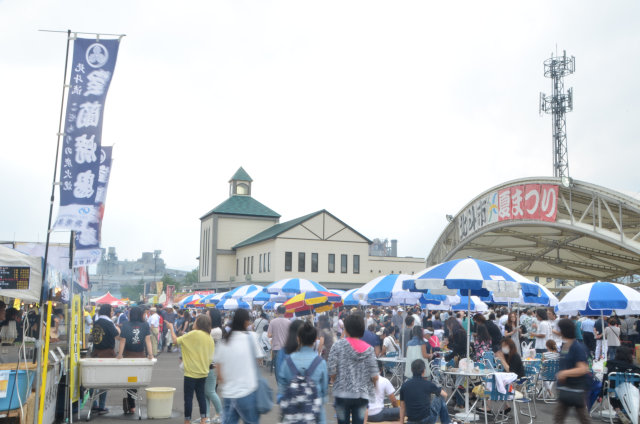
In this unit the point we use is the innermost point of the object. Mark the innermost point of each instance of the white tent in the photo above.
(10, 257)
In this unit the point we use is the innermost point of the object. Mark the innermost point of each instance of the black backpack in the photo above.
(300, 403)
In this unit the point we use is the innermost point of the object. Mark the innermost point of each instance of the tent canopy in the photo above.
(107, 299)
(13, 258)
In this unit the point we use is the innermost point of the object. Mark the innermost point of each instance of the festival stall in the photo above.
(20, 281)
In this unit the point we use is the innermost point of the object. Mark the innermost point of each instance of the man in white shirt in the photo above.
(376, 412)
(154, 325)
(504, 316)
(370, 321)
(542, 331)
(555, 330)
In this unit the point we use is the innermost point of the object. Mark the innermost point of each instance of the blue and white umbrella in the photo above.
(531, 293)
(260, 297)
(600, 298)
(294, 285)
(474, 304)
(472, 276)
(189, 298)
(232, 305)
(242, 291)
(271, 306)
(212, 299)
(388, 289)
(349, 300)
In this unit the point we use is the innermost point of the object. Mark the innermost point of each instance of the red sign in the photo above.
(532, 201)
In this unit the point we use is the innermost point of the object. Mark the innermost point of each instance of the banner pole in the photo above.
(39, 377)
(45, 364)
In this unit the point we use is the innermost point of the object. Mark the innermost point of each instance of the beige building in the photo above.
(242, 241)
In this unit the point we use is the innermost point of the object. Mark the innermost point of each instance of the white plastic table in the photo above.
(468, 414)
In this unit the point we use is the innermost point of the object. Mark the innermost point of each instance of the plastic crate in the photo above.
(13, 397)
(116, 373)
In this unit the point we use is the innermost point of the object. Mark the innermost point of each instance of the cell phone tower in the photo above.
(557, 104)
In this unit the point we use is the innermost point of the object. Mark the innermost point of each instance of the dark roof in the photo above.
(241, 175)
(276, 230)
(242, 205)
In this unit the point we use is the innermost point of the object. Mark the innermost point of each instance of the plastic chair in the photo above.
(527, 386)
(489, 356)
(436, 372)
(548, 371)
(617, 378)
(500, 399)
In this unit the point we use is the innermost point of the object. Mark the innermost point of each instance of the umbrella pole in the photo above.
(602, 340)
(466, 391)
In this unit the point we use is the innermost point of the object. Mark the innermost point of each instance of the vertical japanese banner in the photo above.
(159, 287)
(170, 292)
(87, 246)
(92, 70)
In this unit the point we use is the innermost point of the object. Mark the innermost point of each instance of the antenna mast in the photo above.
(557, 104)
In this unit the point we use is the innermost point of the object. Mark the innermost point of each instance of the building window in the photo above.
(314, 262)
(260, 263)
(343, 264)
(269, 262)
(237, 266)
(252, 264)
(301, 261)
(356, 264)
(332, 262)
(287, 260)
(244, 266)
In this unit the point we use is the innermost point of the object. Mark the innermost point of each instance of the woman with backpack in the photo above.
(303, 367)
(290, 346)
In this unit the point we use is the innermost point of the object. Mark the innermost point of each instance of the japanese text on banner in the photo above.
(92, 70)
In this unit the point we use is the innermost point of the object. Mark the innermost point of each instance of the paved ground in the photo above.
(167, 374)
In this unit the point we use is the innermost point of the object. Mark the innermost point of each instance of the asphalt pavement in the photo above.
(167, 374)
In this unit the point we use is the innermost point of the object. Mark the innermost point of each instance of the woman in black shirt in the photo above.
(510, 358)
(134, 338)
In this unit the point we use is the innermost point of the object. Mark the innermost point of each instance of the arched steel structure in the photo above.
(539, 227)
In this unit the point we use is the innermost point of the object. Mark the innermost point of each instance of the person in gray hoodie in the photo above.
(353, 371)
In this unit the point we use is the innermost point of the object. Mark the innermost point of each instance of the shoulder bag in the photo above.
(264, 393)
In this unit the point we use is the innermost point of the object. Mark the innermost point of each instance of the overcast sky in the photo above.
(390, 114)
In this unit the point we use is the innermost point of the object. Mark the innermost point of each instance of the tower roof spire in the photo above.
(241, 175)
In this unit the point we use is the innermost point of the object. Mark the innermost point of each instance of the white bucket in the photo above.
(159, 401)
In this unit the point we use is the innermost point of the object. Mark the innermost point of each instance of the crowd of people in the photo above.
(340, 350)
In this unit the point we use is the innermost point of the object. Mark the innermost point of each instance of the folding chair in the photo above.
(501, 399)
(616, 378)
(548, 371)
(527, 386)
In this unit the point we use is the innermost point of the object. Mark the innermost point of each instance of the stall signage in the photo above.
(14, 277)
(538, 202)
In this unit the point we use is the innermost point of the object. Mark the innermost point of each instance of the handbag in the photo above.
(264, 393)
